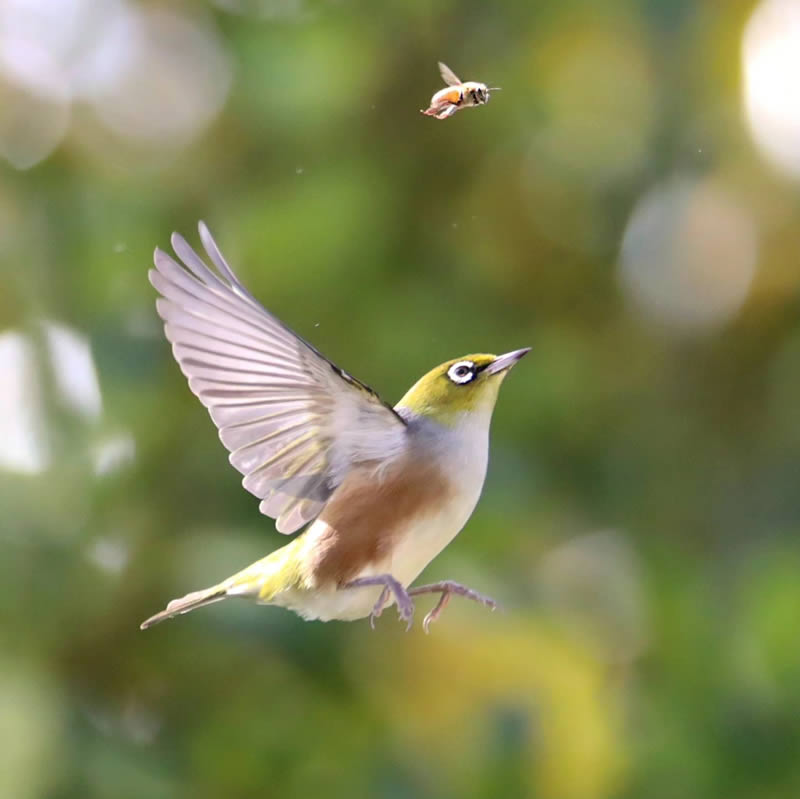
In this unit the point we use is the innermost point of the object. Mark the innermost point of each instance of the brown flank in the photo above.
(365, 514)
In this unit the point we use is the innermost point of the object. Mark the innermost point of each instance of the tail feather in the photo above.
(261, 581)
(189, 602)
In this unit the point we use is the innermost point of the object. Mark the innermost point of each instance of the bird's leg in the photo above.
(405, 607)
(446, 588)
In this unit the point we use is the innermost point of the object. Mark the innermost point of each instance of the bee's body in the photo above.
(456, 95)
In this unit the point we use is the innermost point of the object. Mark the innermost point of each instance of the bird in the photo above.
(381, 490)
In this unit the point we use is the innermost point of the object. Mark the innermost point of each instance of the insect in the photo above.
(457, 95)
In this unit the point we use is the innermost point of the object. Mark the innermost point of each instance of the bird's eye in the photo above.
(461, 372)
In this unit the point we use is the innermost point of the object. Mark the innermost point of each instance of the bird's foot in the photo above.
(446, 589)
(405, 605)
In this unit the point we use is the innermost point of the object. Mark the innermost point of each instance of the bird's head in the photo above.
(458, 389)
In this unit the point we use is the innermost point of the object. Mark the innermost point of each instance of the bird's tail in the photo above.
(261, 581)
(186, 603)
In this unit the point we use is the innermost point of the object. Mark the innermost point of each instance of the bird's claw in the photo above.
(405, 605)
(446, 589)
(378, 609)
(434, 614)
(405, 609)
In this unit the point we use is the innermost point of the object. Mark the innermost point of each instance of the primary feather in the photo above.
(294, 423)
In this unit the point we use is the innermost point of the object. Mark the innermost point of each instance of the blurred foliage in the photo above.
(640, 521)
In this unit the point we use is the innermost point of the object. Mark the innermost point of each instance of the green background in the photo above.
(641, 515)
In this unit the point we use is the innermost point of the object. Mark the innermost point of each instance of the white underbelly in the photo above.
(465, 449)
(422, 540)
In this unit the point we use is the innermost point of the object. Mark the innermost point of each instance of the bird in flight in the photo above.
(381, 490)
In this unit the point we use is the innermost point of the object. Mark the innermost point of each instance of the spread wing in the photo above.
(293, 422)
(448, 76)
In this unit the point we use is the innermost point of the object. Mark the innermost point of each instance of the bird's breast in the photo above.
(370, 514)
(402, 550)
(394, 518)
(424, 537)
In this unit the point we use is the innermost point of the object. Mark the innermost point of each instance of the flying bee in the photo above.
(457, 95)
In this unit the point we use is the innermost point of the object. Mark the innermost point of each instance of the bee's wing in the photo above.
(448, 76)
(293, 422)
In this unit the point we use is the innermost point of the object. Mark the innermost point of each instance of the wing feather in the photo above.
(293, 422)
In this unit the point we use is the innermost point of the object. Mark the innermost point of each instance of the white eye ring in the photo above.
(462, 372)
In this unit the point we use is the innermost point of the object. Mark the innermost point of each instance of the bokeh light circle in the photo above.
(688, 255)
(771, 66)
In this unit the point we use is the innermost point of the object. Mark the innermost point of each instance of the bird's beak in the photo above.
(503, 362)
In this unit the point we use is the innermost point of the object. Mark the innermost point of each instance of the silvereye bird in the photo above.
(384, 489)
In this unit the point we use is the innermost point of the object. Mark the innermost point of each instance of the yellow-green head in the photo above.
(460, 387)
